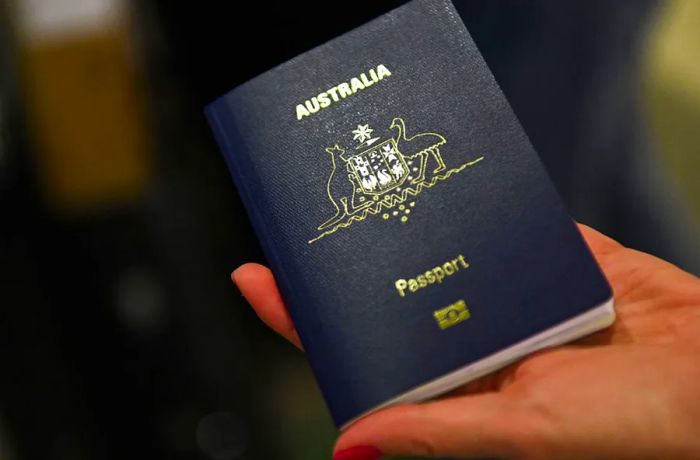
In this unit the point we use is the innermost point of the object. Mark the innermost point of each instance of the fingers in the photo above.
(497, 424)
(488, 425)
(258, 286)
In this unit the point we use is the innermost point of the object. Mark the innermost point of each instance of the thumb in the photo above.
(484, 425)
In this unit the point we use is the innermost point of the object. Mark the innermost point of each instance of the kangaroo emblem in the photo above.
(340, 187)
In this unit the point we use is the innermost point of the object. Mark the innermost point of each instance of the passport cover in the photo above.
(407, 219)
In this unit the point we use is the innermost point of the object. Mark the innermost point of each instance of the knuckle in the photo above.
(421, 445)
(421, 438)
(527, 436)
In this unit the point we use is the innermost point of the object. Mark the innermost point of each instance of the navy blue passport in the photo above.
(414, 234)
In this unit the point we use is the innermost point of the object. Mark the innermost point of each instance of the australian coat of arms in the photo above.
(383, 177)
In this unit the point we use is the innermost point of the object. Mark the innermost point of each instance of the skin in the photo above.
(631, 391)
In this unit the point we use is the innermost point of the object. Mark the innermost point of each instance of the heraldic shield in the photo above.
(379, 169)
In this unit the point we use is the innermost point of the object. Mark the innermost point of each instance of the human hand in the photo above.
(628, 392)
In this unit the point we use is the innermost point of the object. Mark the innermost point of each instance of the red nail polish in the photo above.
(358, 453)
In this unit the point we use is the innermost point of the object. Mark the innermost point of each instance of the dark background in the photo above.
(121, 335)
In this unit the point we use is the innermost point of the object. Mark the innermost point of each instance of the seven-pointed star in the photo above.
(362, 133)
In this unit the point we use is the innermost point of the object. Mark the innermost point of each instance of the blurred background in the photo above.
(121, 335)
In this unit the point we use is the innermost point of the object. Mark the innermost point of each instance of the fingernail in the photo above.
(358, 453)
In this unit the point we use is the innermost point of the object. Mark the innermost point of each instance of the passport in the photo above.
(414, 234)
